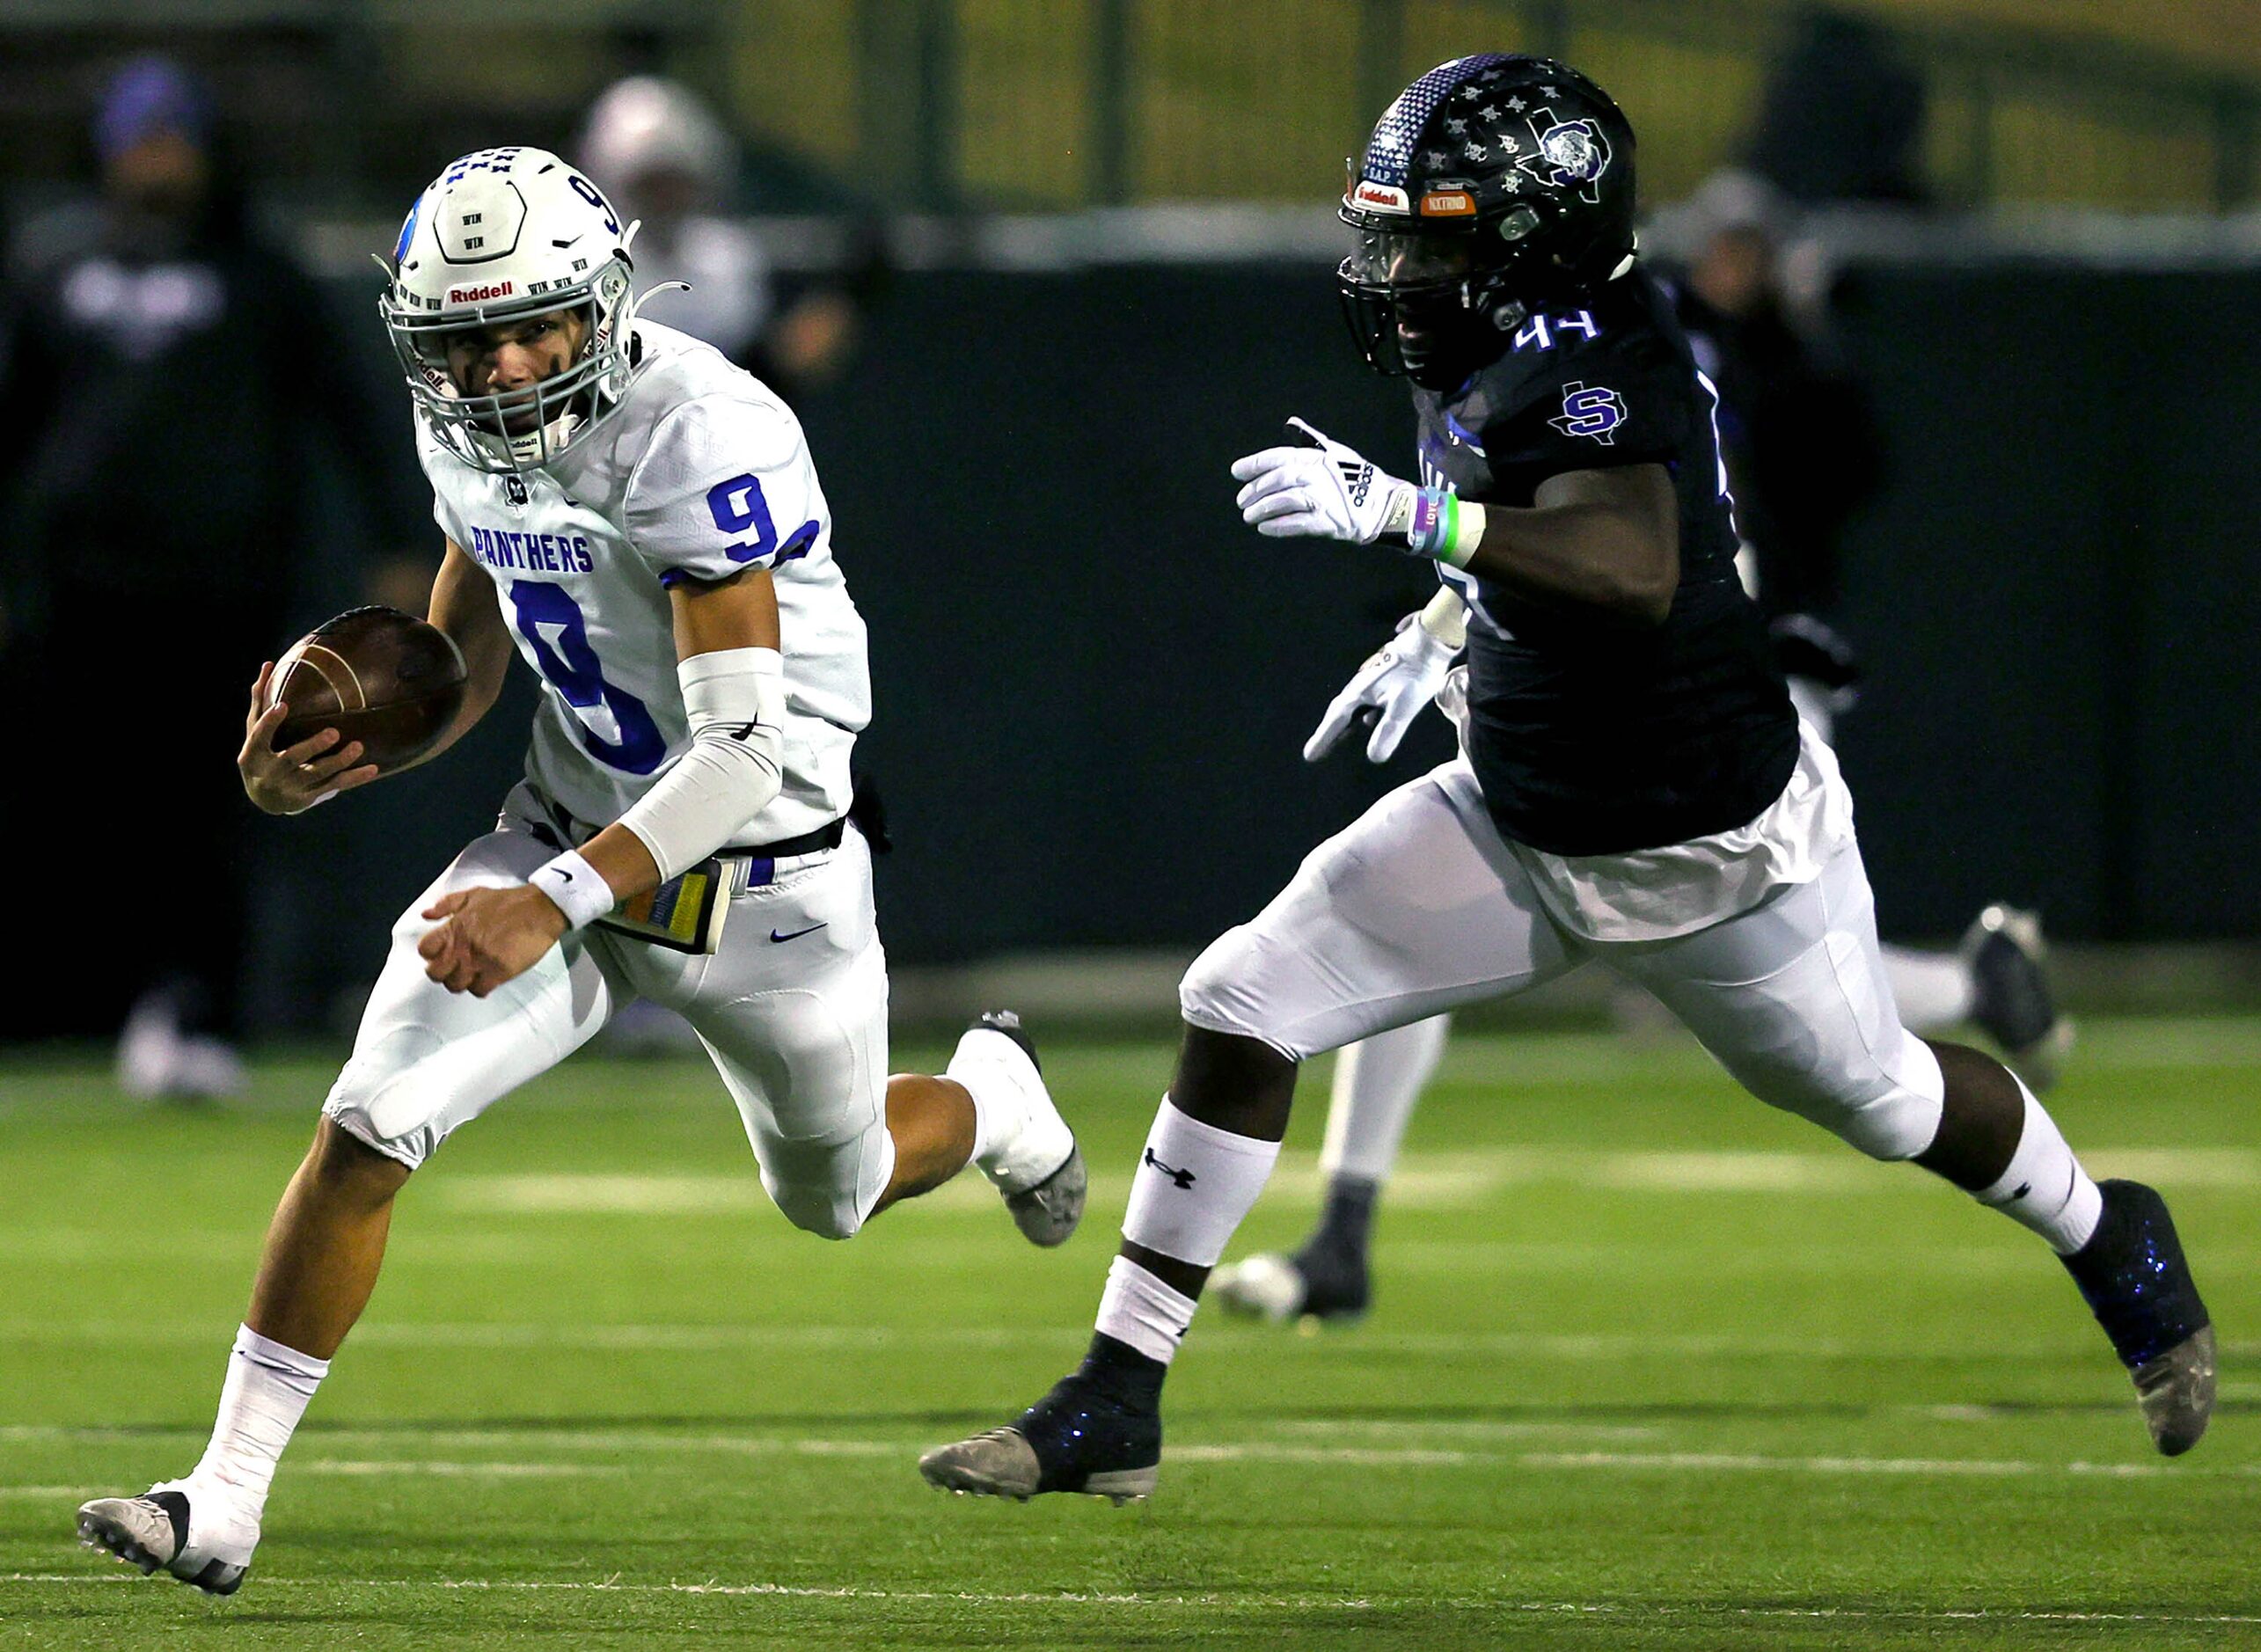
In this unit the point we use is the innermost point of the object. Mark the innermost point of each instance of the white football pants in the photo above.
(1420, 906)
(792, 1010)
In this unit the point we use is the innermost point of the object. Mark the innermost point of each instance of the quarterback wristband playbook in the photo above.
(581, 895)
(1445, 527)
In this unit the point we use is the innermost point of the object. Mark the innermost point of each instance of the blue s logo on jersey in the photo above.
(1590, 410)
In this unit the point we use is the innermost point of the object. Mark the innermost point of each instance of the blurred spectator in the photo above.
(1795, 430)
(658, 152)
(1841, 116)
(160, 370)
(1802, 454)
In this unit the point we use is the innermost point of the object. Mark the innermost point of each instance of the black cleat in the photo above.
(1008, 1022)
(2010, 996)
(150, 1532)
(2133, 1274)
(1099, 1431)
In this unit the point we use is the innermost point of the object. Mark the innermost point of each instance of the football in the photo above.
(375, 675)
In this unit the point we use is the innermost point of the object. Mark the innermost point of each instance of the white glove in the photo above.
(1397, 682)
(1327, 490)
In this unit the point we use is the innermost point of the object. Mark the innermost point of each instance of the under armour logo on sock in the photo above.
(1184, 1179)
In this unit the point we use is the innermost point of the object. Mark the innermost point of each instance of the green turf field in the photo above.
(1650, 1367)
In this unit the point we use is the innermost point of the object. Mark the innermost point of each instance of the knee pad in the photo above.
(1890, 1112)
(377, 1098)
(827, 1212)
(1215, 990)
(828, 1186)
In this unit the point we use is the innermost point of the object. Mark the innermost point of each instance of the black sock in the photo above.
(1123, 1372)
(1346, 1222)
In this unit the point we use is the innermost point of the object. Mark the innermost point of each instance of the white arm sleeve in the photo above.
(734, 766)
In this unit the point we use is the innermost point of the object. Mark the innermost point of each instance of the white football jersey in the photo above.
(702, 471)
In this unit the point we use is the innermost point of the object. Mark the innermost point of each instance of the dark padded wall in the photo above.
(2058, 592)
(1093, 682)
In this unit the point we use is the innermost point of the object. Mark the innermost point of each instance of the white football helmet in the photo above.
(500, 235)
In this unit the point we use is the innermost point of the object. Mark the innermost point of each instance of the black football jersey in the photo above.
(1590, 735)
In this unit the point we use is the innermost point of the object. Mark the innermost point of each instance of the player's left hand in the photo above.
(486, 937)
(1393, 685)
(1324, 489)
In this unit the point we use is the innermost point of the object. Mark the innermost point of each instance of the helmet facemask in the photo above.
(1433, 305)
(519, 429)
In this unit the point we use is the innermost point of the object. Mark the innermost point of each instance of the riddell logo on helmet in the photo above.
(478, 295)
(1381, 197)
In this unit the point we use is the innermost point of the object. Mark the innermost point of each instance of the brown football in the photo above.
(375, 675)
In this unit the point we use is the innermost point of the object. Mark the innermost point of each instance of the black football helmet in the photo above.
(1494, 187)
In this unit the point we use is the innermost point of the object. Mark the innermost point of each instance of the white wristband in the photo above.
(581, 895)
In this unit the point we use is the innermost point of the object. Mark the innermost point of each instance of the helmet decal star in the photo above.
(1457, 83)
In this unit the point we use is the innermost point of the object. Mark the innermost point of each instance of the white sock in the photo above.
(264, 1395)
(2045, 1187)
(984, 1117)
(1376, 1081)
(988, 1125)
(1193, 1185)
(1139, 1309)
(1932, 989)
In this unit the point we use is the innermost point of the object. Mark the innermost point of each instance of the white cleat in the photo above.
(1324, 1282)
(155, 1531)
(156, 1058)
(1032, 1157)
(1268, 1286)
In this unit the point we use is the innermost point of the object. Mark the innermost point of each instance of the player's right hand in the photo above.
(1319, 489)
(1396, 681)
(293, 780)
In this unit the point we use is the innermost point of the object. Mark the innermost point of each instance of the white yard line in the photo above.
(1240, 1603)
(1388, 1457)
(1423, 1181)
(456, 1471)
(1470, 1428)
(1221, 1334)
(723, 1339)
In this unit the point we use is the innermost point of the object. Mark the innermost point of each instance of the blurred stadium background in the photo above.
(1086, 246)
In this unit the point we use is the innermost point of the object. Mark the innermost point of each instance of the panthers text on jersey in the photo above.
(699, 473)
(1589, 734)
